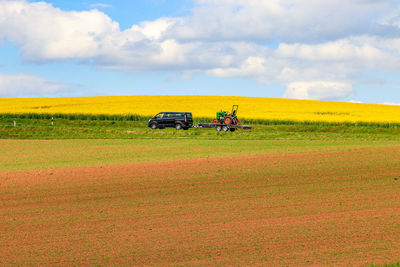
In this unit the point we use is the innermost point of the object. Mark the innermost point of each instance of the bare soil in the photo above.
(298, 209)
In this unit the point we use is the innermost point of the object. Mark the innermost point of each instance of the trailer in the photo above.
(223, 127)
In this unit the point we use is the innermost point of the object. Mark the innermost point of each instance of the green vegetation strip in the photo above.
(140, 118)
(20, 155)
(30, 127)
(83, 126)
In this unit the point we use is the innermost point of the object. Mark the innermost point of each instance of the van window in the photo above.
(159, 115)
(189, 115)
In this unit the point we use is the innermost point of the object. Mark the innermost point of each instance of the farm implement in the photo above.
(225, 122)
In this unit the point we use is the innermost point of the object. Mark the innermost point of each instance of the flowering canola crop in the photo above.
(206, 106)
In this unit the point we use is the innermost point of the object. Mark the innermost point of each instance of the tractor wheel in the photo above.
(215, 121)
(225, 128)
(232, 129)
(153, 126)
(228, 120)
(178, 126)
(218, 128)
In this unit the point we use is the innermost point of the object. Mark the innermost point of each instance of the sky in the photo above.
(338, 50)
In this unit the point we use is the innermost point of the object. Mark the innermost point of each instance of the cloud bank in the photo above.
(317, 49)
(22, 85)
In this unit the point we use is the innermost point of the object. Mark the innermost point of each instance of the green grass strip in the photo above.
(141, 118)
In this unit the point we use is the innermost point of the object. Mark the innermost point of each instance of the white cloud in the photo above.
(355, 101)
(46, 33)
(284, 20)
(340, 50)
(100, 5)
(324, 46)
(318, 90)
(391, 103)
(251, 67)
(23, 85)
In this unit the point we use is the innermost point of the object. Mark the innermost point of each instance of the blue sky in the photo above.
(342, 50)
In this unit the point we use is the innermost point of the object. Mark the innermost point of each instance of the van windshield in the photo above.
(159, 115)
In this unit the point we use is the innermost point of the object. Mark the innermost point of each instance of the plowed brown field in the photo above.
(293, 208)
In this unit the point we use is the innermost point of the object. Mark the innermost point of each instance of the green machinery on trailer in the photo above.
(226, 121)
(224, 118)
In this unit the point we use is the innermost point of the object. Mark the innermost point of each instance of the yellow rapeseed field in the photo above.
(206, 106)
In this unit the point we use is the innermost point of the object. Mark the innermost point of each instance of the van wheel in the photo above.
(178, 126)
(153, 126)
(232, 129)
